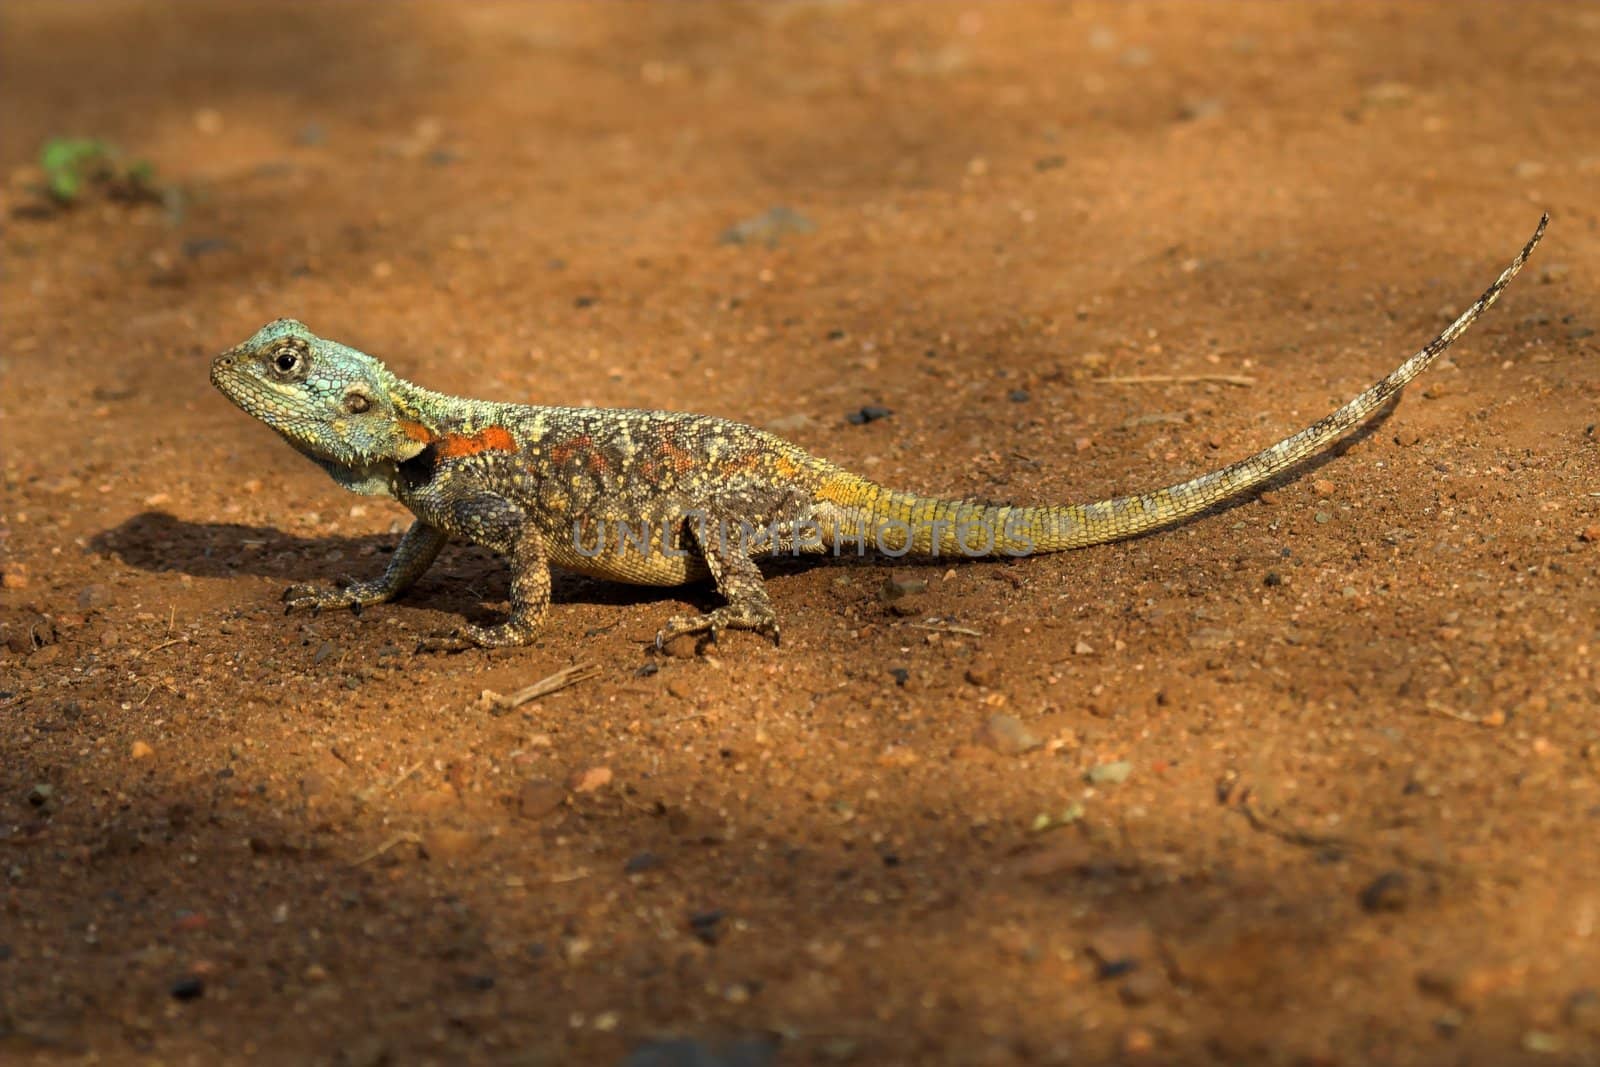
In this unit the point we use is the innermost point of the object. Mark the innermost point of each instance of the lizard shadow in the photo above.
(464, 577)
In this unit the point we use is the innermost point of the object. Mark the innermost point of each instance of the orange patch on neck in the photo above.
(452, 445)
(488, 439)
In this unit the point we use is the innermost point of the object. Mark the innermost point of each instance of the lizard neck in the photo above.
(439, 414)
(424, 407)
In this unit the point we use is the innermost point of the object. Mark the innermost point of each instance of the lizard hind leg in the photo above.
(739, 581)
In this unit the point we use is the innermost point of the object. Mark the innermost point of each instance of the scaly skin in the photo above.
(662, 498)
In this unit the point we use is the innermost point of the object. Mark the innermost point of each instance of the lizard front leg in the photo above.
(415, 554)
(530, 597)
(739, 581)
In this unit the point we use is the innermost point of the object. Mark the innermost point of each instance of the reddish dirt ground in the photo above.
(1360, 817)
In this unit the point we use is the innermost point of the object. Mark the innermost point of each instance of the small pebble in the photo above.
(768, 228)
(983, 670)
(141, 750)
(1119, 950)
(1540, 1041)
(539, 797)
(1388, 94)
(641, 862)
(706, 925)
(446, 843)
(1008, 736)
(1137, 1042)
(1211, 638)
(869, 413)
(1390, 891)
(1197, 108)
(901, 583)
(1142, 986)
(188, 988)
(587, 781)
(1590, 533)
(902, 593)
(684, 646)
(1110, 773)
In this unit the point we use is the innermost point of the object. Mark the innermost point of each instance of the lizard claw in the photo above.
(716, 623)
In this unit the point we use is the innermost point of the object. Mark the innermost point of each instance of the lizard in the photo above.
(664, 498)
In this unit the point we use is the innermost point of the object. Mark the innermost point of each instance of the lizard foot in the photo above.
(506, 635)
(760, 620)
(354, 596)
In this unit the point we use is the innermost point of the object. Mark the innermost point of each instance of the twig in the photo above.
(403, 837)
(158, 648)
(1303, 838)
(1493, 719)
(407, 773)
(945, 628)
(567, 676)
(1243, 381)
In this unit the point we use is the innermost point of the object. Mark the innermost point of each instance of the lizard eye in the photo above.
(357, 402)
(286, 360)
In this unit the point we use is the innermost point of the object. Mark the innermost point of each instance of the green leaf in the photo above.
(70, 153)
(64, 185)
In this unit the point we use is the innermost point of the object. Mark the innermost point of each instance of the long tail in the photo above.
(895, 522)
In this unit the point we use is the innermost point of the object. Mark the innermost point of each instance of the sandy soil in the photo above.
(1314, 780)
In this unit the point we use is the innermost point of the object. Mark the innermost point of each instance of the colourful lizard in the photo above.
(663, 498)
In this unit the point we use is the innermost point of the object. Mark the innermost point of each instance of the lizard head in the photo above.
(331, 402)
